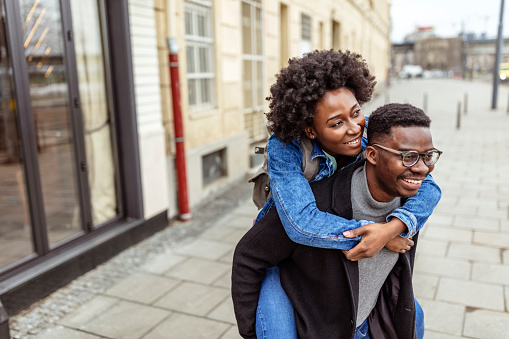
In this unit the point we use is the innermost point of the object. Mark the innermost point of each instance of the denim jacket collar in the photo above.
(317, 151)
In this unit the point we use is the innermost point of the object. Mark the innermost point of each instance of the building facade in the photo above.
(229, 53)
(401, 54)
(479, 55)
(89, 150)
(444, 54)
(465, 55)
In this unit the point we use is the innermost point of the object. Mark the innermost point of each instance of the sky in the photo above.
(448, 17)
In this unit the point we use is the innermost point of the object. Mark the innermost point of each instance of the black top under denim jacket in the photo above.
(322, 284)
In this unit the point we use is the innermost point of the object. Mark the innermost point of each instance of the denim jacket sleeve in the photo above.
(303, 221)
(417, 209)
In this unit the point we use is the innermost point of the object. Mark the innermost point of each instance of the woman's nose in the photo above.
(353, 127)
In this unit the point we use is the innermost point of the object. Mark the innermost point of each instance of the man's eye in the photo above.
(411, 157)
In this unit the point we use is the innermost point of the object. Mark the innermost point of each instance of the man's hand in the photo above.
(374, 237)
(400, 244)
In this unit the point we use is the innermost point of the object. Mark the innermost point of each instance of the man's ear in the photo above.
(310, 133)
(372, 155)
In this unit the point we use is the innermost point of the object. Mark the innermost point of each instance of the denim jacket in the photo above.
(304, 222)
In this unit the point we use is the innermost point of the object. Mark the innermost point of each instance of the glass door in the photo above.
(49, 91)
(15, 228)
(96, 109)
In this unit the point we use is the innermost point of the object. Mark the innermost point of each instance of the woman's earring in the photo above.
(312, 136)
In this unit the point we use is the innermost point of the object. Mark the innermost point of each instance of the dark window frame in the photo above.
(26, 126)
(76, 116)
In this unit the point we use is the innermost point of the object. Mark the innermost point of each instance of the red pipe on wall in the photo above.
(180, 156)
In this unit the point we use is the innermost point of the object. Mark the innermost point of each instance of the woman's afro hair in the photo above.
(304, 82)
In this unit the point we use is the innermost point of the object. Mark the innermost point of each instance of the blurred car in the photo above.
(411, 71)
(433, 73)
(503, 73)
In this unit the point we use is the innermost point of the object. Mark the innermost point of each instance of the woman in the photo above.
(337, 84)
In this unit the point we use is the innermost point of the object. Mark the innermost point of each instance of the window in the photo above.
(320, 26)
(336, 35)
(53, 116)
(96, 108)
(252, 61)
(284, 48)
(200, 54)
(305, 42)
(214, 166)
(15, 234)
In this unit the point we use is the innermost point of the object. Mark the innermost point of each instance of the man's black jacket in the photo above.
(321, 283)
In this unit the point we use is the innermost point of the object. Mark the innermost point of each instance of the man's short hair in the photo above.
(394, 115)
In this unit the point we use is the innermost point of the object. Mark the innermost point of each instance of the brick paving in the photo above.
(176, 284)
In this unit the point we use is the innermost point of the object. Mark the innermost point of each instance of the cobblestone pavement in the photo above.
(176, 283)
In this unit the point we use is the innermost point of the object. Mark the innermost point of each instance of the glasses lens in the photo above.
(410, 158)
(431, 157)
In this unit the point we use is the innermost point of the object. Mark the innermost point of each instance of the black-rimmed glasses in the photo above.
(410, 158)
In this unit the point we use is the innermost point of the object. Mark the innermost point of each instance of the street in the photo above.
(176, 284)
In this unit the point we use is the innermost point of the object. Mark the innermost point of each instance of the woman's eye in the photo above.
(337, 123)
(357, 112)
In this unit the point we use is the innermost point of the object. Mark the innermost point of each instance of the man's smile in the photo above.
(413, 183)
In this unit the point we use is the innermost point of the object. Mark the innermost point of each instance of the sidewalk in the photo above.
(176, 284)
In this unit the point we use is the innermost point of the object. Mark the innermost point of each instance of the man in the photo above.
(332, 296)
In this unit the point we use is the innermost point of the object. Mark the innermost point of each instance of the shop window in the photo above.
(59, 171)
(15, 228)
(43, 40)
(96, 107)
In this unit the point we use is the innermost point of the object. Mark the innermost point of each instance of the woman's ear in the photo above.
(309, 132)
(371, 155)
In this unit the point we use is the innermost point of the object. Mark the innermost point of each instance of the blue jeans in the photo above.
(274, 315)
(362, 332)
(275, 318)
(419, 320)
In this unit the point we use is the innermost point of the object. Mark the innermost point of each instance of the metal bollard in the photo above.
(465, 103)
(425, 102)
(458, 116)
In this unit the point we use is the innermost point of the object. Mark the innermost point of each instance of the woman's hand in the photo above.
(374, 238)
